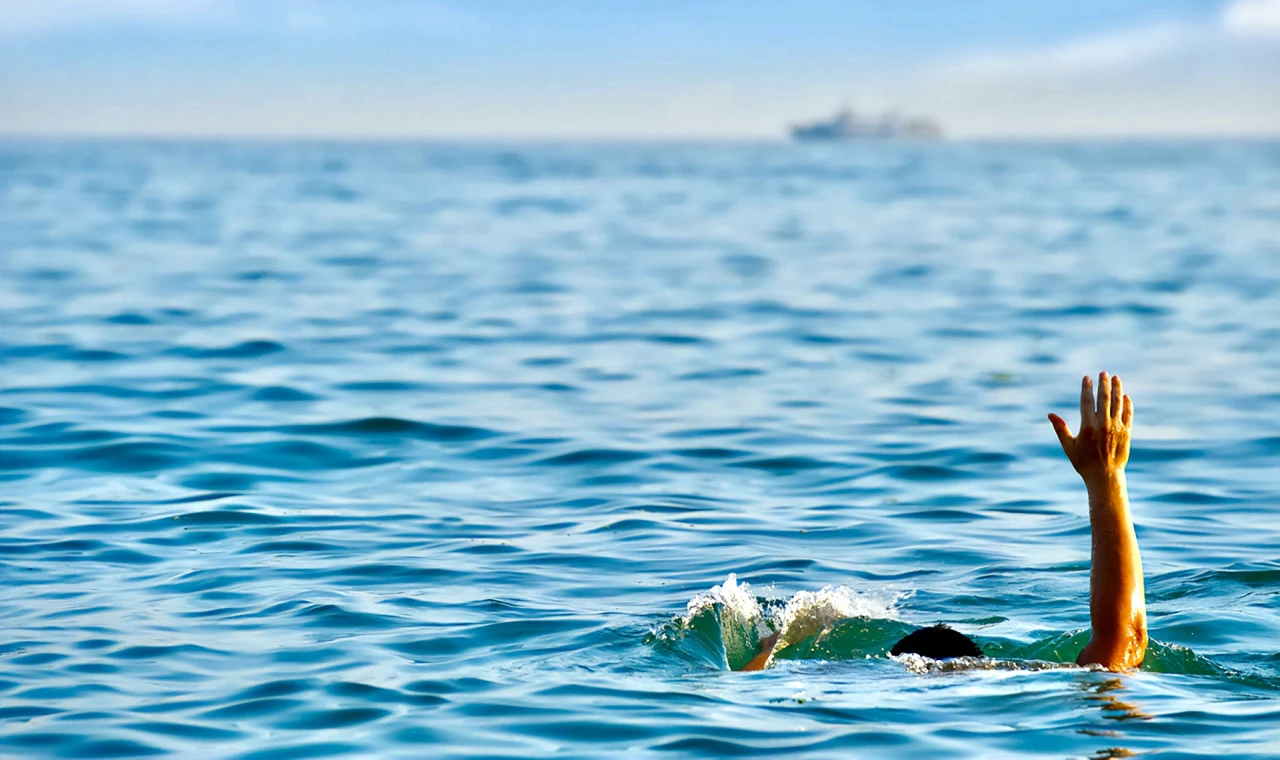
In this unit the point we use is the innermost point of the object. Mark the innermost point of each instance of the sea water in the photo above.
(445, 450)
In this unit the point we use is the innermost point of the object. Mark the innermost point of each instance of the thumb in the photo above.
(1064, 432)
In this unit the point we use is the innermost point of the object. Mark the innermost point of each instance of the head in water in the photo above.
(939, 642)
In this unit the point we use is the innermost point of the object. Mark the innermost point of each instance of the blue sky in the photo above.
(633, 69)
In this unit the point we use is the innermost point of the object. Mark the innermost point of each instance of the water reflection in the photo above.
(1110, 752)
(1104, 694)
(1113, 708)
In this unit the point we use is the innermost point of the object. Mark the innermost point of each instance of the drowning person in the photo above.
(1117, 600)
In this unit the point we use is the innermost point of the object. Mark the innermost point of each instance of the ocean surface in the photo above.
(466, 450)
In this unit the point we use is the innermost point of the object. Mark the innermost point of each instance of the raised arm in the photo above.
(1117, 601)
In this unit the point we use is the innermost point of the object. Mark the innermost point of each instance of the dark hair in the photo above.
(939, 642)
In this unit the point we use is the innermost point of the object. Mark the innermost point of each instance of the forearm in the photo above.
(766, 650)
(1117, 608)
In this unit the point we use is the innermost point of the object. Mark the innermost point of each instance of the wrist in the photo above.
(1107, 480)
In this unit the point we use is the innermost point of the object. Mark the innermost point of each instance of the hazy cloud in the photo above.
(1161, 79)
(1097, 54)
(1253, 17)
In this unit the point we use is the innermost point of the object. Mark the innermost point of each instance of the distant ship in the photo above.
(849, 125)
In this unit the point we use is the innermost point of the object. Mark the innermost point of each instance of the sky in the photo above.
(634, 69)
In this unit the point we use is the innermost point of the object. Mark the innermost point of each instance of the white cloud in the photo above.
(1252, 17)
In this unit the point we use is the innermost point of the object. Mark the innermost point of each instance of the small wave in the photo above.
(710, 452)
(336, 617)
(785, 465)
(62, 352)
(230, 482)
(129, 318)
(725, 373)
(394, 427)
(722, 627)
(296, 456)
(923, 472)
(538, 204)
(226, 517)
(170, 390)
(61, 434)
(130, 456)
(281, 393)
(1193, 497)
(380, 386)
(250, 349)
(726, 622)
(596, 457)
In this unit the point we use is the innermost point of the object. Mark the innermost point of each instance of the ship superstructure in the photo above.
(847, 124)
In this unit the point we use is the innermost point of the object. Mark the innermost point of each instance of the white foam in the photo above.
(733, 596)
(920, 665)
(811, 613)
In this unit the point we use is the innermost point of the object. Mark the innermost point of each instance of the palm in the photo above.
(1102, 446)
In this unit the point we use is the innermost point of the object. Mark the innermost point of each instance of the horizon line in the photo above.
(346, 137)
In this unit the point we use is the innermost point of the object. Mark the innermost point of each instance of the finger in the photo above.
(1127, 415)
(1104, 400)
(1064, 432)
(1086, 403)
(1117, 398)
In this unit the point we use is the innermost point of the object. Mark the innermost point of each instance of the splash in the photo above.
(732, 597)
(723, 626)
(737, 617)
(816, 613)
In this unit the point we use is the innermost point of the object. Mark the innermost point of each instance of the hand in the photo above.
(1101, 449)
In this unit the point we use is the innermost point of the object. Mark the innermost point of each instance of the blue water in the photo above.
(403, 451)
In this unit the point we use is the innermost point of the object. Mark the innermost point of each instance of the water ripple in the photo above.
(364, 450)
